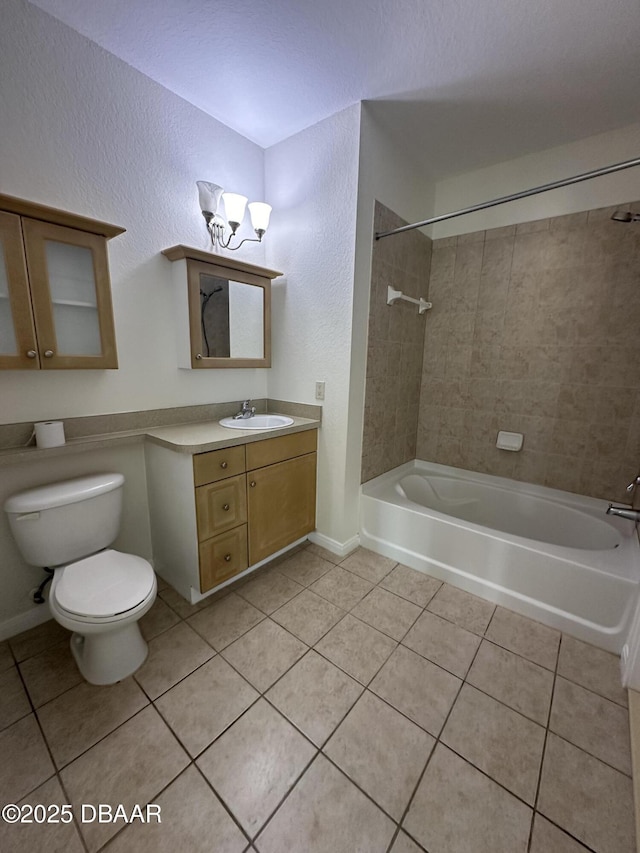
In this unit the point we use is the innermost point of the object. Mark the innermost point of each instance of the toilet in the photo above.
(96, 592)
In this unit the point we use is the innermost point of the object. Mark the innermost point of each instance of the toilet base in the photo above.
(108, 657)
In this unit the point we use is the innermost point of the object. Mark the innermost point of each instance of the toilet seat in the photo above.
(104, 587)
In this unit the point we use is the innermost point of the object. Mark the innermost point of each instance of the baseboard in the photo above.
(24, 621)
(634, 727)
(341, 549)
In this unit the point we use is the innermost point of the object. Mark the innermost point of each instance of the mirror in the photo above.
(231, 318)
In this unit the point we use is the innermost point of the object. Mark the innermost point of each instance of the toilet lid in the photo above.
(105, 584)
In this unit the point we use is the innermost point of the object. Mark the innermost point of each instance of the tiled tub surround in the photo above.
(534, 330)
(322, 708)
(396, 337)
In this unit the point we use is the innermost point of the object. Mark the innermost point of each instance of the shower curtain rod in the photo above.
(585, 176)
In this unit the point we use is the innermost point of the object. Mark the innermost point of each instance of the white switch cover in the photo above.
(319, 390)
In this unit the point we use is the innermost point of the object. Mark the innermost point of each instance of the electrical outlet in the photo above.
(319, 390)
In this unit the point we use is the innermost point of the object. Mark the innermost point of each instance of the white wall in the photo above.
(540, 168)
(83, 131)
(387, 176)
(312, 182)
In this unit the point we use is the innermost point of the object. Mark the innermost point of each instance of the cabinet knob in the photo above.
(48, 353)
(227, 558)
(224, 464)
(31, 353)
(226, 507)
(253, 484)
(199, 356)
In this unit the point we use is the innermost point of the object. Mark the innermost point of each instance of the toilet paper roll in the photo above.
(49, 433)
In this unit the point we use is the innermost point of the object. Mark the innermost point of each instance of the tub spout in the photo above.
(624, 512)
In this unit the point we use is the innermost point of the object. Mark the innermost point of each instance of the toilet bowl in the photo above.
(97, 593)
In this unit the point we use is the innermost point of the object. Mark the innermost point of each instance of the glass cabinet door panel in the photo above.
(8, 342)
(73, 296)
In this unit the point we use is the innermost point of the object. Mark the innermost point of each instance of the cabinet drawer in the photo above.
(218, 464)
(261, 453)
(222, 557)
(221, 506)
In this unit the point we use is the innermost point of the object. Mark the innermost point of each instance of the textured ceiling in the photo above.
(460, 83)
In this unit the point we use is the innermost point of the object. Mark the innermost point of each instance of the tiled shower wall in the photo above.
(396, 339)
(536, 329)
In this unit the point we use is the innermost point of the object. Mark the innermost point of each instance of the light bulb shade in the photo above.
(260, 213)
(234, 206)
(209, 196)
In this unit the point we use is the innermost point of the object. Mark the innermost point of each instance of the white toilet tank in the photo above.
(63, 522)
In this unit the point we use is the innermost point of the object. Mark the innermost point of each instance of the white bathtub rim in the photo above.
(623, 561)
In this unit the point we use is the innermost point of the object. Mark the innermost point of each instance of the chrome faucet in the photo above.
(624, 512)
(247, 411)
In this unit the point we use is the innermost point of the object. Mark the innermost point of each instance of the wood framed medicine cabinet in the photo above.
(55, 293)
(222, 310)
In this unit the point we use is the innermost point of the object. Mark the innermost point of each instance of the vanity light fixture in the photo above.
(210, 196)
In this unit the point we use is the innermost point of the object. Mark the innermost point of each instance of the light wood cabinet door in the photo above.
(282, 505)
(18, 345)
(71, 296)
(222, 557)
(221, 506)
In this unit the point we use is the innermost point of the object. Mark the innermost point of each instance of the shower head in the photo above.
(625, 216)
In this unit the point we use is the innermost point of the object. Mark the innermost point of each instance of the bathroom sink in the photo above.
(257, 422)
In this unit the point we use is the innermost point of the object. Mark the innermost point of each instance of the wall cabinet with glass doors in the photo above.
(55, 293)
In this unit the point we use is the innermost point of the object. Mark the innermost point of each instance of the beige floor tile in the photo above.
(6, 658)
(466, 610)
(342, 588)
(547, 838)
(75, 721)
(25, 760)
(443, 643)
(368, 565)
(191, 817)
(591, 801)
(131, 765)
(387, 612)
(305, 567)
(323, 553)
(264, 654)
(326, 812)
(315, 695)
(418, 688)
(413, 585)
(14, 702)
(268, 592)
(519, 683)
(356, 648)
(161, 583)
(597, 725)
(255, 763)
(182, 607)
(226, 620)
(308, 616)
(38, 639)
(404, 844)
(592, 668)
(158, 619)
(383, 752)
(50, 673)
(172, 656)
(534, 641)
(42, 837)
(503, 744)
(205, 703)
(457, 809)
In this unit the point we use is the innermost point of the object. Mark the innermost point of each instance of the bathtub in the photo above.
(547, 554)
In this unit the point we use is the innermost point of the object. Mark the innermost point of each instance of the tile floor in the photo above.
(321, 707)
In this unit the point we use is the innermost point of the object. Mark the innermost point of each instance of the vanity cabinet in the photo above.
(222, 310)
(216, 514)
(55, 293)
